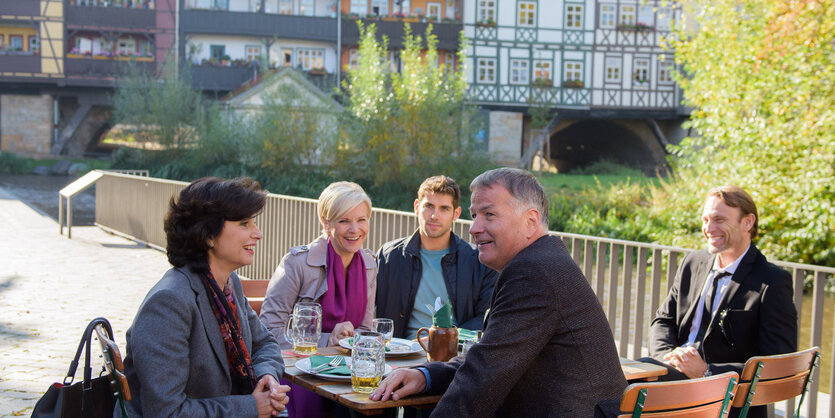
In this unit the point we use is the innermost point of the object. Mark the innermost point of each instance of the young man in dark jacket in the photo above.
(433, 262)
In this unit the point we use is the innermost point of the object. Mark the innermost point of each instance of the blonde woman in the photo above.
(335, 271)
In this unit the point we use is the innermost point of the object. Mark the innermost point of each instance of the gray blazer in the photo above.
(176, 361)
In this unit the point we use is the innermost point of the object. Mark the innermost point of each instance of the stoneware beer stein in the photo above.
(442, 343)
(368, 361)
(304, 327)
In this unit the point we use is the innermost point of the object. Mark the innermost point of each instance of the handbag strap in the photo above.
(85, 342)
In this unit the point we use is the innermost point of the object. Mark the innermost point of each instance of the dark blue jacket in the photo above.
(468, 282)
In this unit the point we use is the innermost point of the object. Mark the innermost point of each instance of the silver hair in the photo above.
(526, 190)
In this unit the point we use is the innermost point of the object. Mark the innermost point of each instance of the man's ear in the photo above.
(457, 214)
(748, 222)
(531, 221)
(417, 206)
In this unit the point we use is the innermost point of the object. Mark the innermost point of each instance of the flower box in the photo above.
(573, 84)
(543, 82)
(638, 27)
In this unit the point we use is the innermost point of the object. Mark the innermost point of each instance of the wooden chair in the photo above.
(113, 364)
(769, 379)
(694, 398)
(254, 290)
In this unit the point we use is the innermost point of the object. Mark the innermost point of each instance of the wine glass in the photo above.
(385, 327)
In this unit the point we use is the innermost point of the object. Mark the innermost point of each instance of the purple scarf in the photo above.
(346, 297)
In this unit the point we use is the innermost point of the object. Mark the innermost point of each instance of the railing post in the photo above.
(817, 330)
(626, 300)
(614, 259)
(640, 294)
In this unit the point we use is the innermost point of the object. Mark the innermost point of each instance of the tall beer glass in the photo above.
(304, 327)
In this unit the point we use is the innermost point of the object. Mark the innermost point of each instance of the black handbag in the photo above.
(90, 398)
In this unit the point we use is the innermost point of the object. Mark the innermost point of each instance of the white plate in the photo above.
(399, 347)
(304, 365)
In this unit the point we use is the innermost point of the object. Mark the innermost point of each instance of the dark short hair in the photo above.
(199, 212)
(526, 190)
(440, 185)
(737, 197)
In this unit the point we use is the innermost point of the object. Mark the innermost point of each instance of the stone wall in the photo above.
(26, 123)
(505, 145)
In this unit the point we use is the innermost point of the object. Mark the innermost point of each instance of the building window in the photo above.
(486, 71)
(627, 14)
(306, 8)
(607, 16)
(285, 7)
(145, 48)
(646, 16)
(527, 14)
(16, 42)
(640, 72)
(287, 57)
(433, 11)
(542, 70)
(664, 19)
(393, 60)
(665, 70)
(33, 43)
(613, 69)
(573, 16)
(573, 71)
(253, 52)
(126, 46)
(487, 11)
(519, 71)
(359, 7)
(449, 62)
(1, 39)
(380, 7)
(353, 59)
(222, 4)
(217, 52)
(310, 58)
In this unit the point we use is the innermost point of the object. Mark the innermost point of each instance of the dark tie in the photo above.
(708, 312)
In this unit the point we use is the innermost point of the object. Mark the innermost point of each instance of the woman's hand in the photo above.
(270, 397)
(340, 331)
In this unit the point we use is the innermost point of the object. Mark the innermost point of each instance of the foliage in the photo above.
(403, 127)
(761, 76)
(163, 111)
(12, 164)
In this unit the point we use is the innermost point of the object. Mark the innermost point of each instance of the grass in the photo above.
(14, 164)
(558, 183)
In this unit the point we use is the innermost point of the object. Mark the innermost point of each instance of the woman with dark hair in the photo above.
(196, 348)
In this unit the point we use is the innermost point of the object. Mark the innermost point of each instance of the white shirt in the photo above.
(721, 286)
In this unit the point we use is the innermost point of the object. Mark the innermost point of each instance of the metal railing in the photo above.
(629, 278)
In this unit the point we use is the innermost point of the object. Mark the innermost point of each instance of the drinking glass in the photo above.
(385, 327)
(367, 361)
(304, 327)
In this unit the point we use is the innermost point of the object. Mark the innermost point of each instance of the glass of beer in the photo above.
(304, 327)
(385, 327)
(368, 361)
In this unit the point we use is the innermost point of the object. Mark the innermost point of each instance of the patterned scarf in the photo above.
(347, 296)
(237, 355)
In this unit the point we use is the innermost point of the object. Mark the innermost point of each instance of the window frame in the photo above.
(666, 68)
(12, 38)
(645, 12)
(618, 69)
(221, 48)
(382, 7)
(538, 71)
(482, 70)
(664, 19)
(309, 55)
(579, 70)
(526, 19)
(248, 56)
(622, 13)
(522, 74)
(486, 11)
(612, 16)
(645, 68)
(440, 10)
(359, 7)
(575, 13)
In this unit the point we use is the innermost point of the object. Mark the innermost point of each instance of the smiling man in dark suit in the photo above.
(547, 349)
(728, 303)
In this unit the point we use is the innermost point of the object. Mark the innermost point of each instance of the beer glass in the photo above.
(368, 361)
(304, 327)
(385, 327)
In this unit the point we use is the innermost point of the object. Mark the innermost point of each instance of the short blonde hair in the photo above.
(340, 198)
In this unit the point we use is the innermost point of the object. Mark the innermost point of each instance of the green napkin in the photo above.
(465, 334)
(442, 318)
(341, 370)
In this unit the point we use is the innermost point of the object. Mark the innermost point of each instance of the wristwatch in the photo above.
(708, 372)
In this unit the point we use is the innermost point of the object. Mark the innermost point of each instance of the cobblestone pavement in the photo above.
(51, 287)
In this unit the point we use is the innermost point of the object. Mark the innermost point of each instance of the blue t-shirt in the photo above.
(431, 286)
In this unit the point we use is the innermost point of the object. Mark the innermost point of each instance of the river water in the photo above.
(41, 193)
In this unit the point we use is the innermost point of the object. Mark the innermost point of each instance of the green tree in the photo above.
(404, 126)
(760, 75)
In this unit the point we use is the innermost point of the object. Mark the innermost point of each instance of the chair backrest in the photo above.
(113, 364)
(703, 397)
(254, 290)
(769, 379)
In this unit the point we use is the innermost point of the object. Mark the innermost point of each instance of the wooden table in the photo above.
(342, 393)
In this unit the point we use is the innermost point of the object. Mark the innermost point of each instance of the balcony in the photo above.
(20, 8)
(101, 70)
(446, 31)
(218, 78)
(258, 24)
(20, 62)
(111, 17)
